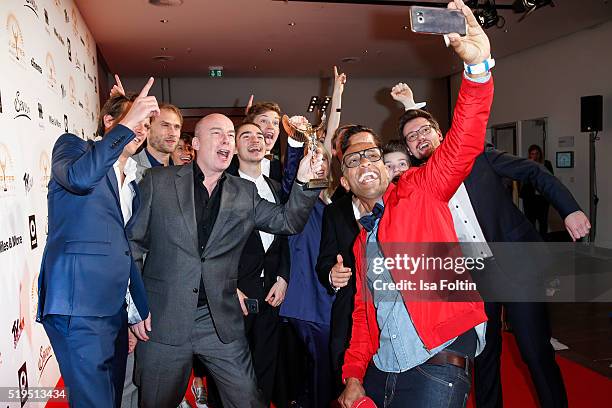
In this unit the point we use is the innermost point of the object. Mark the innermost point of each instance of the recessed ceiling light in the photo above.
(163, 58)
(164, 48)
(166, 3)
(365, 51)
(254, 66)
(163, 21)
(350, 60)
(269, 49)
(292, 24)
(405, 27)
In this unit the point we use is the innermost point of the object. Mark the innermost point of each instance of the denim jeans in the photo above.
(424, 386)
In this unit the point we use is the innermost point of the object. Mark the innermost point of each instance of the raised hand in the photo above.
(474, 48)
(339, 81)
(249, 104)
(339, 274)
(143, 107)
(310, 165)
(117, 88)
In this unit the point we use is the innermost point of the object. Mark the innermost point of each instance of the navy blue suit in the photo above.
(85, 269)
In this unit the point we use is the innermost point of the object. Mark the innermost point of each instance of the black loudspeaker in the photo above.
(591, 113)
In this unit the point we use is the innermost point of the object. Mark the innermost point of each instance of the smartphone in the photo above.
(434, 20)
(252, 305)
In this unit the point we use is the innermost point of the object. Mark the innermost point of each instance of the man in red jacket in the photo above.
(406, 352)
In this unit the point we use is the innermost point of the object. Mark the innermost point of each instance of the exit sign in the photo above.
(215, 72)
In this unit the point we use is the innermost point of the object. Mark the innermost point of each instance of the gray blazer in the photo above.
(142, 164)
(165, 230)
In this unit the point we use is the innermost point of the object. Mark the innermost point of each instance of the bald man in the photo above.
(192, 227)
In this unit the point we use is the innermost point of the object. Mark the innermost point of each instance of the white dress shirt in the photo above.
(265, 170)
(265, 192)
(467, 226)
(126, 195)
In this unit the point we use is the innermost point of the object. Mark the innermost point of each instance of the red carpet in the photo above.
(585, 388)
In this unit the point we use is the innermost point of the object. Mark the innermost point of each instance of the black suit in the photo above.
(338, 234)
(501, 221)
(263, 329)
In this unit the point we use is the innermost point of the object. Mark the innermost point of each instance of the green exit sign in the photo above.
(215, 72)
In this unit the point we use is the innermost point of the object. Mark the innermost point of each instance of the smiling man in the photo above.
(163, 140)
(194, 223)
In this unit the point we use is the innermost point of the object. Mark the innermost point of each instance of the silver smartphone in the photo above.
(434, 20)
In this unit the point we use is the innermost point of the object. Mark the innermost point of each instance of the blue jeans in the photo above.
(424, 386)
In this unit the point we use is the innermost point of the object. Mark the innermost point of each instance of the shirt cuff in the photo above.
(133, 315)
(480, 80)
(418, 105)
(335, 289)
(294, 143)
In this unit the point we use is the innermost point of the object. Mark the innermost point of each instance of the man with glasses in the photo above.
(406, 351)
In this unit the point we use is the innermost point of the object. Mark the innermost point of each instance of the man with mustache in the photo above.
(194, 223)
(405, 352)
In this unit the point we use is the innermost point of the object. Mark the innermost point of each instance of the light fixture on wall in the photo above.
(487, 16)
(529, 6)
(316, 102)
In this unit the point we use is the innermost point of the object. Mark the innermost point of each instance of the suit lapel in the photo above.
(228, 195)
(184, 191)
(135, 204)
(349, 215)
(111, 177)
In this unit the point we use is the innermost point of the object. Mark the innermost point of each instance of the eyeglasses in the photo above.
(422, 131)
(373, 154)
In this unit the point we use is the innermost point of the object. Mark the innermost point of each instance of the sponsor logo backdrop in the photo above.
(47, 86)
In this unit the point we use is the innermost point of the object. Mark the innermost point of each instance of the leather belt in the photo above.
(447, 357)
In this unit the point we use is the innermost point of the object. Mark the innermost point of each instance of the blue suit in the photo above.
(85, 268)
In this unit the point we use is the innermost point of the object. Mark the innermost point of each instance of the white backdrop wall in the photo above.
(547, 82)
(48, 85)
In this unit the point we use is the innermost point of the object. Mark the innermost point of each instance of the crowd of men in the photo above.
(206, 253)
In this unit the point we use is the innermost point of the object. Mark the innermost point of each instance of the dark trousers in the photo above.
(536, 211)
(263, 334)
(531, 328)
(315, 337)
(162, 371)
(92, 353)
(424, 386)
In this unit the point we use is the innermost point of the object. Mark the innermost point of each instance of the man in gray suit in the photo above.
(193, 224)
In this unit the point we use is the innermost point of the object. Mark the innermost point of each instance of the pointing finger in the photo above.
(147, 87)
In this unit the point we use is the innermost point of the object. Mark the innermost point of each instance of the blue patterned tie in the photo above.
(369, 221)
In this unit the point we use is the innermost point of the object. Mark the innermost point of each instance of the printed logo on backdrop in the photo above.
(43, 358)
(63, 91)
(59, 37)
(65, 123)
(58, 4)
(44, 164)
(31, 4)
(7, 175)
(35, 65)
(69, 49)
(86, 103)
(32, 228)
(17, 328)
(55, 121)
(22, 377)
(75, 23)
(72, 90)
(51, 72)
(22, 109)
(47, 21)
(40, 111)
(0, 101)
(34, 299)
(28, 182)
(15, 39)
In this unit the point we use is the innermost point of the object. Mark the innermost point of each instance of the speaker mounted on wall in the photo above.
(591, 113)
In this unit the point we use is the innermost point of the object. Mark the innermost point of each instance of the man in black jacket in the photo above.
(484, 212)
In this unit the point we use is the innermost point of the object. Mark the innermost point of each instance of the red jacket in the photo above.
(416, 210)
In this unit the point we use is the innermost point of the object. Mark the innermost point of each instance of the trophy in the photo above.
(298, 128)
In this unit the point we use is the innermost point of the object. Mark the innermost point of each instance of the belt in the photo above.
(447, 357)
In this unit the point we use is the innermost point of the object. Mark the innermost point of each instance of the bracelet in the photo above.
(483, 67)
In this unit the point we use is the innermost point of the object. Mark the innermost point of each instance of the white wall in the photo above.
(365, 101)
(548, 81)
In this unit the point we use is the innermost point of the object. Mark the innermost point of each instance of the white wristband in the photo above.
(481, 68)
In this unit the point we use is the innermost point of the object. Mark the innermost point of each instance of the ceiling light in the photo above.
(166, 3)
(164, 48)
(292, 24)
(163, 58)
(269, 49)
(163, 21)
